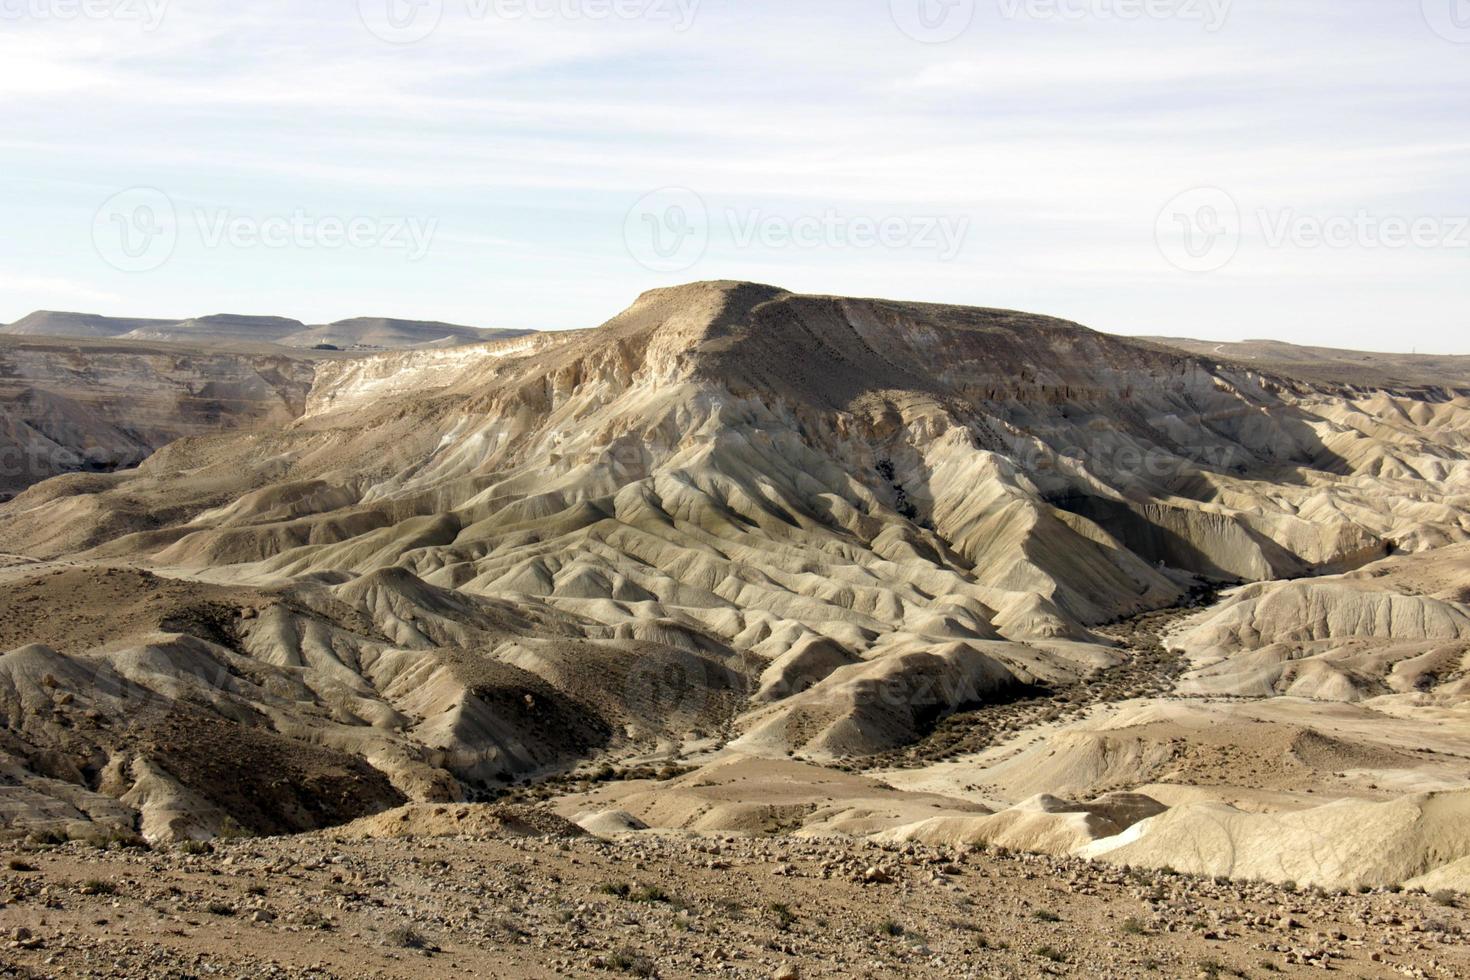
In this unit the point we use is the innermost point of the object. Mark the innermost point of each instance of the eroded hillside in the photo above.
(98, 405)
(735, 524)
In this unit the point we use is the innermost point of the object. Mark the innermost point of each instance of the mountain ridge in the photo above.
(371, 332)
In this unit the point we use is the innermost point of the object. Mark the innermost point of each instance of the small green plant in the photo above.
(220, 908)
(890, 928)
(1133, 927)
(195, 847)
(1044, 915)
(258, 891)
(1446, 898)
(1051, 953)
(1215, 969)
(98, 886)
(617, 889)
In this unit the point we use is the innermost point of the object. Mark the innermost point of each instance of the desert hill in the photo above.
(90, 405)
(737, 523)
(1365, 368)
(227, 329)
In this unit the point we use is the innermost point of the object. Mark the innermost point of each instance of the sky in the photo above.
(1221, 169)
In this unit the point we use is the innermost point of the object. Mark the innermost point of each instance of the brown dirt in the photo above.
(326, 906)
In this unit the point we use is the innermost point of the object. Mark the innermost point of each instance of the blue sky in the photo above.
(1293, 169)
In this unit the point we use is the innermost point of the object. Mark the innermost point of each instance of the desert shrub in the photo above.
(631, 962)
(405, 937)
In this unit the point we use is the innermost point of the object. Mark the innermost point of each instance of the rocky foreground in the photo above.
(333, 905)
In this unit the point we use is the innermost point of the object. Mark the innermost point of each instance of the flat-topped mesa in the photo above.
(54, 323)
(834, 353)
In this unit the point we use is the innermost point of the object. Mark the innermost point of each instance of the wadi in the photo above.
(832, 637)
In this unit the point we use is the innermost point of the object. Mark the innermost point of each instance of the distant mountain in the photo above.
(1373, 369)
(47, 323)
(388, 333)
(362, 332)
(221, 328)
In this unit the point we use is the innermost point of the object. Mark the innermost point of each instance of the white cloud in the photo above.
(529, 140)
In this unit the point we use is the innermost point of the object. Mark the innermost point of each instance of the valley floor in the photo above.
(667, 906)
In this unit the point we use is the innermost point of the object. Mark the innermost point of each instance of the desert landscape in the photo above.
(750, 633)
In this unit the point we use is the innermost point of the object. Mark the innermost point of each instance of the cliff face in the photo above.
(69, 406)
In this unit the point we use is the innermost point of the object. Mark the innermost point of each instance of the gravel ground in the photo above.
(324, 906)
